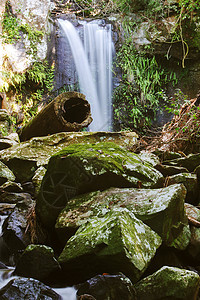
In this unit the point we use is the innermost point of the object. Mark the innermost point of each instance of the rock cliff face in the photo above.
(16, 57)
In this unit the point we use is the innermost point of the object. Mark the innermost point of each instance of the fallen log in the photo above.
(69, 111)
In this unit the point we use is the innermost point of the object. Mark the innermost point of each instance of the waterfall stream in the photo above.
(93, 60)
(67, 293)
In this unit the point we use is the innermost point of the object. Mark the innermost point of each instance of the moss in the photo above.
(169, 283)
(83, 168)
(117, 234)
(161, 209)
(101, 157)
(41, 248)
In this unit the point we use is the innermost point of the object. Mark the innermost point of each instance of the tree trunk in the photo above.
(69, 111)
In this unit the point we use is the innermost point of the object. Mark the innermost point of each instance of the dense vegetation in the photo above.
(28, 87)
(144, 81)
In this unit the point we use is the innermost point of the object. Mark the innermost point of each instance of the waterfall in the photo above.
(93, 61)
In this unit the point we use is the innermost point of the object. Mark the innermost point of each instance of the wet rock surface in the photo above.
(88, 167)
(27, 288)
(107, 287)
(14, 227)
(5, 174)
(38, 262)
(135, 228)
(190, 182)
(169, 283)
(117, 241)
(161, 209)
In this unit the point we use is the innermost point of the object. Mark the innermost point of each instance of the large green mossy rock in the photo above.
(117, 242)
(161, 209)
(23, 159)
(83, 168)
(169, 283)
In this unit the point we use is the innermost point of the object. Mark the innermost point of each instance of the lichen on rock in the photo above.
(117, 242)
(83, 168)
(169, 283)
(161, 209)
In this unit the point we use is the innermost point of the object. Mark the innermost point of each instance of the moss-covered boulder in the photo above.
(161, 209)
(182, 241)
(190, 182)
(169, 283)
(40, 149)
(5, 174)
(83, 168)
(117, 242)
(38, 262)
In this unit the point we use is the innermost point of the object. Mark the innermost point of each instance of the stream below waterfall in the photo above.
(6, 274)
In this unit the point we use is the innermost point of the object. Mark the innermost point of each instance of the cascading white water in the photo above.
(94, 67)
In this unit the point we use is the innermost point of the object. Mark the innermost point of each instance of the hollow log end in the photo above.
(73, 110)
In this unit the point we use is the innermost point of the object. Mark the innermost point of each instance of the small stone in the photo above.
(27, 288)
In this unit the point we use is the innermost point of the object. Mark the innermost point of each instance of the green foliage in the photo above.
(151, 7)
(38, 79)
(94, 8)
(10, 29)
(13, 30)
(190, 6)
(174, 104)
(187, 29)
(11, 79)
(137, 98)
(34, 36)
(41, 74)
(29, 106)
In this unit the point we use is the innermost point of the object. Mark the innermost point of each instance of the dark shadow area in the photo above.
(75, 110)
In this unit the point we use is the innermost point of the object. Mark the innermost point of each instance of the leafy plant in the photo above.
(151, 7)
(11, 79)
(41, 74)
(137, 98)
(10, 29)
